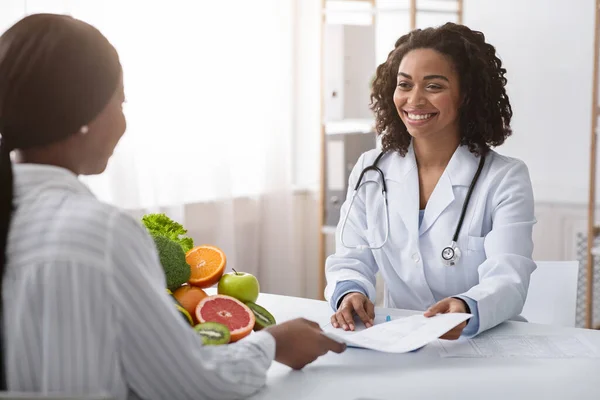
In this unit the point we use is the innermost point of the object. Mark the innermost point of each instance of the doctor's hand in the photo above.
(299, 342)
(449, 305)
(354, 303)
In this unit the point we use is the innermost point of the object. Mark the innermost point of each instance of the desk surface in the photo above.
(363, 374)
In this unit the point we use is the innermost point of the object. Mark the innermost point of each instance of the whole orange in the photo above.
(189, 297)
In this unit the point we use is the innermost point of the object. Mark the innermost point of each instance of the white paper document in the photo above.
(400, 335)
(526, 346)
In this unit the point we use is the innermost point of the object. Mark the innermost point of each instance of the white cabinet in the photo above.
(349, 66)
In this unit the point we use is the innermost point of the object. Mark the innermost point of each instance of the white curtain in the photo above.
(208, 89)
(211, 115)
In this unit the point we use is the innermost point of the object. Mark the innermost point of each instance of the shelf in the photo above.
(350, 126)
(337, 7)
(375, 11)
(328, 230)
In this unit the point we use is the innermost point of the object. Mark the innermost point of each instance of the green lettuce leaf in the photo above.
(160, 224)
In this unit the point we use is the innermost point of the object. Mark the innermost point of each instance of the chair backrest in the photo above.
(552, 296)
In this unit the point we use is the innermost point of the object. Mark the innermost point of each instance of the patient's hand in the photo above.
(300, 342)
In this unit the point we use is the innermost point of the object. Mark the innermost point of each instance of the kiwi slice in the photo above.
(186, 315)
(213, 333)
(263, 317)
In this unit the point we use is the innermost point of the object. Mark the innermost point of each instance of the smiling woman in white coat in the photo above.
(444, 219)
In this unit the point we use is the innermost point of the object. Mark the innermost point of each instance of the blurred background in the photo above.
(244, 116)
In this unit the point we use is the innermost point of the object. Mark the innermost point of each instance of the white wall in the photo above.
(10, 12)
(547, 48)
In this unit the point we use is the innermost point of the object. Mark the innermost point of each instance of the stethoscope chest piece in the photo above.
(450, 254)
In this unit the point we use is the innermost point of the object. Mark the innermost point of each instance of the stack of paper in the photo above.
(398, 336)
(515, 345)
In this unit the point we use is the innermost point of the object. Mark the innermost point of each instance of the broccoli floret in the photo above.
(172, 259)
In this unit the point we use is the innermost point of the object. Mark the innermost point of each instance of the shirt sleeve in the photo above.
(473, 323)
(343, 288)
(161, 354)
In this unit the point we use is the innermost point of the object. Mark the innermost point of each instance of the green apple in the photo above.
(240, 285)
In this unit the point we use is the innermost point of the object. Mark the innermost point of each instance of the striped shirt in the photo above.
(86, 311)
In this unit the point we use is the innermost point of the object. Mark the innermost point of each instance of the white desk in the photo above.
(363, 374)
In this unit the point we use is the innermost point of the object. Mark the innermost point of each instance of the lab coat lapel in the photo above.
(459, 172)
(441, 197)
(405, 175)
(409, 211)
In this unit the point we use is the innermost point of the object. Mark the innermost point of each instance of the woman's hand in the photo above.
(449, 305)
(300, 342)
(354, 303)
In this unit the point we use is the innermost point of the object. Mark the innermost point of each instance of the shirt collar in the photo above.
(36, 177)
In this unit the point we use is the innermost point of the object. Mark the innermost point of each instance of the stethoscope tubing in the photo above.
(360, 183)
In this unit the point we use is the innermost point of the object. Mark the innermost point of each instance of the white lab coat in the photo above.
(495, 238)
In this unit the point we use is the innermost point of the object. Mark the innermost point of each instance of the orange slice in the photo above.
(207, 264)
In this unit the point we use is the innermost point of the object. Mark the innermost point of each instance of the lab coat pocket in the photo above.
(475, 244)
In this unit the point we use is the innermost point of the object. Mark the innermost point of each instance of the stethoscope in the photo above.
(450, 253)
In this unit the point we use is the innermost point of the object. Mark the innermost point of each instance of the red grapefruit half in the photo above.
(228, 311)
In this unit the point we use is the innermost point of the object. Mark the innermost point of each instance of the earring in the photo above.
(84, 129)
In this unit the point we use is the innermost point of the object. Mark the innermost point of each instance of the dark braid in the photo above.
(6, 195)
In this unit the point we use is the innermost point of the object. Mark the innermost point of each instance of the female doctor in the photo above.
(445, 220)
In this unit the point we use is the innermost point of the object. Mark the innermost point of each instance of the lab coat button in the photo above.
(416, 257)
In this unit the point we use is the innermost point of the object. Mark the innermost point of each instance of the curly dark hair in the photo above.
(485, 113)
